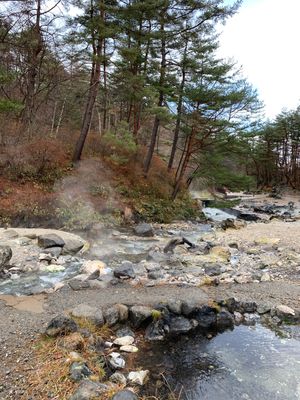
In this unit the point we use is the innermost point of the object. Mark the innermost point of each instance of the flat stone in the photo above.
(50, 240)
(89, 313)
(124, 341)
(76, 284)
(129, 349)
(89, 390)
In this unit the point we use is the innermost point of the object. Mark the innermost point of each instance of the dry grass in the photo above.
(52, 363)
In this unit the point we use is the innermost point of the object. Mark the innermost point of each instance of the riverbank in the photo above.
(186, 273)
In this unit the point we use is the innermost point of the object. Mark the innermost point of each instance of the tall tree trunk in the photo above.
(184, 166)
(160, 99)
(35, 49)
(179, 112)
(92, 94)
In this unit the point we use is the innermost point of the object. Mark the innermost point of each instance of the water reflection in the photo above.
(249, 363)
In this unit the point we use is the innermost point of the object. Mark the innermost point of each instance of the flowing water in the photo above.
(250, 363)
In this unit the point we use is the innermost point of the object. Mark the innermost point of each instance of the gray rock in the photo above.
(125, 395)
(126, 331)
(155, 275)
(53, 251)
(139, 314)
(77, 284)
(92, 314)
(179, 325)
(188, 307)
(79, 371)
(175, 306)
(124, 271)
(144, 230)
(61, 325)
(206, 317)
(123, 312)
(263, 309)
(111, 315)
(213, 270)
(50, 240)
(72, 245)
(5, 256)
(89, 390)
(156, 331)
(118, 378)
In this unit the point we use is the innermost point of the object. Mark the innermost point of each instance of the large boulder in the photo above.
(61, 325)
(144, 230)
(5, 256)
(50, 240)
(91, 314)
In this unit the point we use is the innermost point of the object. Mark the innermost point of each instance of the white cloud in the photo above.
(264, 38)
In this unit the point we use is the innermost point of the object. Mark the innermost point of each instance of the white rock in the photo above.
(124, 341)
(139, 377)
(93, 267)
(129, 349)
(265, 277)
(284, 310)
(116, 360)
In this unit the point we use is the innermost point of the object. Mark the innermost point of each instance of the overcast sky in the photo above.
(264, 38)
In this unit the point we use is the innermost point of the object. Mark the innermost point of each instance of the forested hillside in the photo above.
(137, 86)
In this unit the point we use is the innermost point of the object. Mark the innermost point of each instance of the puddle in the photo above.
(250, 363)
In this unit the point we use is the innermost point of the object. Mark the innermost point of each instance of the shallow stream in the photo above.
(248, 363)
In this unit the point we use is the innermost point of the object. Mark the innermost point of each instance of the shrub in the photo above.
(40, 160)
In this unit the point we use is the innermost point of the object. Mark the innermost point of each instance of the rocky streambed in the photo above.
(177, 275)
